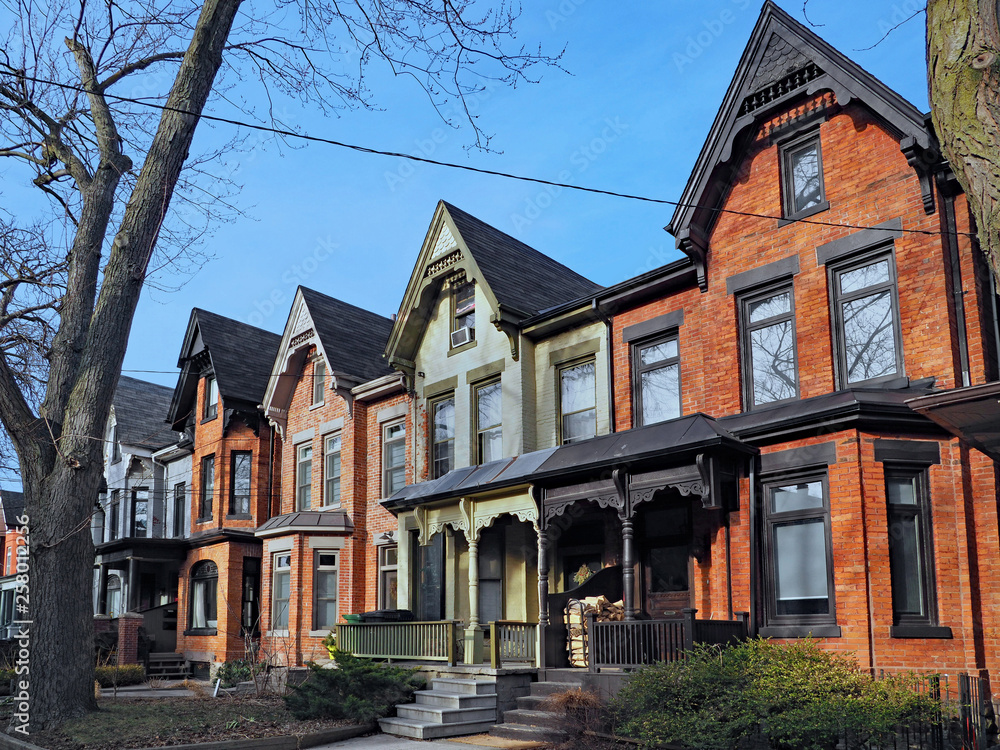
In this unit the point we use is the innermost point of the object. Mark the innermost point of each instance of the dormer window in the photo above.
(463, 329)
(802, 178)
(211, 397)
(116, 448)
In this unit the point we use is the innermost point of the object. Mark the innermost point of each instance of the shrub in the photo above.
(236, 671)
(356, 689)
(794, 696)
(582, 710)
(126, 674)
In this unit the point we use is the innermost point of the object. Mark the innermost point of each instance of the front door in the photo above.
(666, 560)
(491, 575)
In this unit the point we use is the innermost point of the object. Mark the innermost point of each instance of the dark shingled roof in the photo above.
(13, 506)
(140, 412)
(242, 355)
(522, 278)
(353, 338)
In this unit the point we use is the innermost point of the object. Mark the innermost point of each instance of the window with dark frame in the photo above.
(577, 401)
(140, 512)
(281, 583)
(489, 422)
(116, 448)
(464, 307)
(204, 596)
(393, 458)
(798, 559)
(388, 566)
(866, 319)
(303, 477)
(331, 470)
(114, 517)
(911, 558)
(803, 191)
(656, 379)
(770, 369)
(180, 508)
(211, 397)
(442, 415)
(250, 605)
(207, 488)
(319, 382)
(325, 590)
(239, 482)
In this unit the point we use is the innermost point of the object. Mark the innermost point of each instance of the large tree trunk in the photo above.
(61, 481)
(963, 69)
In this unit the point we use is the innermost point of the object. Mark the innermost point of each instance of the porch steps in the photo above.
(452, 707)
(167, 666)
(532, 720)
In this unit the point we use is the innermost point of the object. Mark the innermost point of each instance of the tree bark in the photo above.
(61, 481)
(963, 71)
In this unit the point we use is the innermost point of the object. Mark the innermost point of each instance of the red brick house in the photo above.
(235, 471)
(343, 416)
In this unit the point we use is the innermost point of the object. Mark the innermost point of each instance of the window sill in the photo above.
(462, 348)
(201, 631)
(317, 405)
(239, 517)
(919, 631)
(332, 506)
(321, 633)
(209, 419)
(206, 519)
(277, 634)
(800, 631)
(817, 209)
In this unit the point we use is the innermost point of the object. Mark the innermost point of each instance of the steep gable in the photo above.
(349, 339)
(517, 280)
(140, 410)
(783, 63)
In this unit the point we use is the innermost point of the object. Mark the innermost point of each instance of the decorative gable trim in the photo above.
(445, 243)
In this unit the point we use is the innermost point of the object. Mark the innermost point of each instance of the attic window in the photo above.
(802, 178)
(319, 382)
(464, 313)
(211, 397)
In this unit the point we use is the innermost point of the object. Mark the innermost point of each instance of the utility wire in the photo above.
(478, 170)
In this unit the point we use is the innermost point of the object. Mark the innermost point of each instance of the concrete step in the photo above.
(548, 688)
(532, 702)
(528, 733)
(426, 730)
(455, 700)
(440, 715)
(566, 675)
(463, 686)
(535, 718)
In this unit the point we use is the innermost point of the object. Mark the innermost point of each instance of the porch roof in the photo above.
(972, 413)
(640, 447)
(336, 521)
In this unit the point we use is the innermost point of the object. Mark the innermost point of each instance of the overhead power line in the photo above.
(477, 170)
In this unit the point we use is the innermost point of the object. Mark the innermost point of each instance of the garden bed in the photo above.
(141, 723)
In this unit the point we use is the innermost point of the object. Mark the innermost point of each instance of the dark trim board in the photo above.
(793, 459)
(910, 451)
(653, 326)
(765, 274)
(859, 241)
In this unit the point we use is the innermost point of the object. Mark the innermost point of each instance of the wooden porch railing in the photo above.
(638, 642)
(420, 641)
(512, 641)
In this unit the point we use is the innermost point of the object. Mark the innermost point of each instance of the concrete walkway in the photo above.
(391, 742)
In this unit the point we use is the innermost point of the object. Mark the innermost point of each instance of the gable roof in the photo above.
(783, 60)
(240, 355)
(140, 413)
(517, 280)
(353, 338)
(13, 506)
(521, 278)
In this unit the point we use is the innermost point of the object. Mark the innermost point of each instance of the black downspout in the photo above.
(270, 475)
(951, 239)
(754, 545)
(611, 364)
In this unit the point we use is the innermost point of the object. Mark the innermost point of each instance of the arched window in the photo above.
(204, 585)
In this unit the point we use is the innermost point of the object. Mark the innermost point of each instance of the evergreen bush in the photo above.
(357, 689)
(791, 696)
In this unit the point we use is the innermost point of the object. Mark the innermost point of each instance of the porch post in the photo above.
(132, 602)
(628, 565)
(543, 594)
(102, 589)
(473, 634)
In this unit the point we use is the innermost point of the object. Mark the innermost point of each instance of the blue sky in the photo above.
(646, 80)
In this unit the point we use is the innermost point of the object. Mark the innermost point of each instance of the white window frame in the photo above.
(303, 487)
(318, 554)
(282, 569)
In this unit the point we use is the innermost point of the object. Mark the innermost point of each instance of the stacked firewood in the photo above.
(575, 618)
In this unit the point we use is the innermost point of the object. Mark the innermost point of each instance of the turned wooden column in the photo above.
(628, 568)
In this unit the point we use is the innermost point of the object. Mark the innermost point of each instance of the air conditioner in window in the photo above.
(462, 336)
